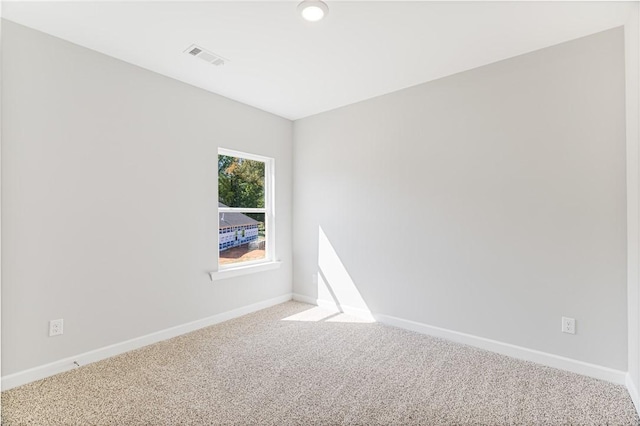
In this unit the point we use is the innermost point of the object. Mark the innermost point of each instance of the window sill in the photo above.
(244, 270)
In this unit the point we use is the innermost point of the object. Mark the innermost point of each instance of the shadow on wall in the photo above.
(335, 287)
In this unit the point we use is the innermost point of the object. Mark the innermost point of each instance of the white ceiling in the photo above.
(292, 68)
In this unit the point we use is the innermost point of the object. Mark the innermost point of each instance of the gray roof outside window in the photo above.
(227, 220)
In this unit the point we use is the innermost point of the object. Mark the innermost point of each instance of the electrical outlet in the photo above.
(56, 327)
(568, 325)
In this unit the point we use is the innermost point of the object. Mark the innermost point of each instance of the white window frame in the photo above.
(269, 261)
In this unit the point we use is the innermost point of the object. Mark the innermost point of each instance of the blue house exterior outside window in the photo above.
(236, 229)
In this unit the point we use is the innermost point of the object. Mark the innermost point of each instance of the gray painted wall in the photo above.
(632, 97)
(109, 199)
(491, 202)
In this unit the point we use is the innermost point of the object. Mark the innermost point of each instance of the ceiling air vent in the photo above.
(209, 57)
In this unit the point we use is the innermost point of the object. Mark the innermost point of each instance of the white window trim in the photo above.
(269, 262)
(244, 269)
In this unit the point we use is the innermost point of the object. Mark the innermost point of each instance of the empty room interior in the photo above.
(423, 213)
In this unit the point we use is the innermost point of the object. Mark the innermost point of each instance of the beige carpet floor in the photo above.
(295, 364)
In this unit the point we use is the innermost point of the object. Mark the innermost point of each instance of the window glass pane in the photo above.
(240, 182)
(242, 237)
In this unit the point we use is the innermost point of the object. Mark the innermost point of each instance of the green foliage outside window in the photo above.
(240, 182)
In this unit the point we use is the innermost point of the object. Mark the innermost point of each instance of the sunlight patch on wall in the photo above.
(335, 285)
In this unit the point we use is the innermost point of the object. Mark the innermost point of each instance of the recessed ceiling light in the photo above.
(313, 10)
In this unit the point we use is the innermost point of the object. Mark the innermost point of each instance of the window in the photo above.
(245, 209)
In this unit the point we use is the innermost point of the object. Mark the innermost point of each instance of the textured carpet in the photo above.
(298, 364)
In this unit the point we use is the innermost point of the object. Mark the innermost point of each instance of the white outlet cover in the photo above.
(568, 325)
(56, 327)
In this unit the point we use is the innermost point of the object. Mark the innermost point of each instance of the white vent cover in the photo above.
(206, 56)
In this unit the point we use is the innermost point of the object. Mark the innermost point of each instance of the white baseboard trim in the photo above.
(350, 310)
(633, 391)
(519, 352)
(66, 364)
